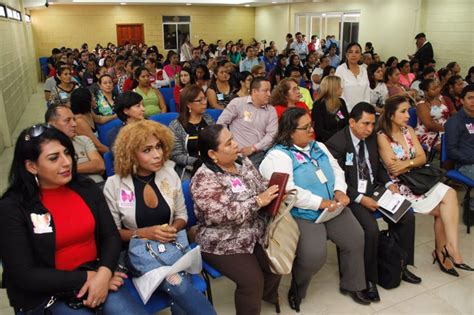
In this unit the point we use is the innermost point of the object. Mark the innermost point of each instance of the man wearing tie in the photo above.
(355, 148)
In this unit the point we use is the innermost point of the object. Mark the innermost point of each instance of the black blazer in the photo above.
(29, 272)
(325, 123)
(340, 144)
(424, 54)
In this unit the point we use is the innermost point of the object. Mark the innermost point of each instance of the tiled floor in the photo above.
(437, 294)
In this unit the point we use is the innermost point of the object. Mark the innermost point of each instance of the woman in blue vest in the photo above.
(321, 185)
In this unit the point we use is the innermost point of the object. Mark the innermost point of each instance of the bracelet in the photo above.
(135, 234)
(259, 201)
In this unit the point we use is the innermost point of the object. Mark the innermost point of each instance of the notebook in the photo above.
(391, 205)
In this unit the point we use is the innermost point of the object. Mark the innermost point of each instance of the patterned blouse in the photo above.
(439, 114)
(403, 155)
(226, 209)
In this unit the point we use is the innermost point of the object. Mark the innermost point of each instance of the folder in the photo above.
(280, 179)
(393, 206)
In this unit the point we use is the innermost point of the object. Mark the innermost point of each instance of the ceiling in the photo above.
(36, 4)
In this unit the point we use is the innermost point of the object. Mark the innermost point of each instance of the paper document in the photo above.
(391, 201)
(327, 215)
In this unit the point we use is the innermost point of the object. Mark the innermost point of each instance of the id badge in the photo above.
(362, 186)
(320, 174)
(220, 97)
(349, 159)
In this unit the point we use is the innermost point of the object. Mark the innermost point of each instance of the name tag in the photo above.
(362, 186)
(470, 128)
(236, 185)
(127, 199)
(340, 115)
(349, 159)
(90, 81)
(220, 96)
(320, 174)
(41, 223)
(247, 116)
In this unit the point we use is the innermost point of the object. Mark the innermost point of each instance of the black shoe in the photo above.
(450, 271)
(460, 266)
(371, 292)
(293, 298)
(409, 277)
(357, 296)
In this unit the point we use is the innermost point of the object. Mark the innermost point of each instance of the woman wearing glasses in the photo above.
(320, 183)
(192, 118)
(58, 241)
(286, 95)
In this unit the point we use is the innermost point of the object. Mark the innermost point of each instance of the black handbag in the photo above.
(422, 179)
(391, 260)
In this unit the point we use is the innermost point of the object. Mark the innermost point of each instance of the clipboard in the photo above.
(400, 210)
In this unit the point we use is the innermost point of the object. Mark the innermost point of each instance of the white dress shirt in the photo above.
(355, 89)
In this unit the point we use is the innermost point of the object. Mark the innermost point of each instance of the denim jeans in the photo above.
(186, 299)
(120, 302)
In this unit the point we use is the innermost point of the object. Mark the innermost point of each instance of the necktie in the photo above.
(362, 164)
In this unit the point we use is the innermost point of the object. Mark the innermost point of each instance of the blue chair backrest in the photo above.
(172, 106)
(444, 151)
(413, 121)
(164, 118)
(44, 65)
(104, 129)
(214, 112)
(167, 94)
(109, 164)
(189, 203)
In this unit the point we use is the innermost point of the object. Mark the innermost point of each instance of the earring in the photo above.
(37, 181)
(215, 161)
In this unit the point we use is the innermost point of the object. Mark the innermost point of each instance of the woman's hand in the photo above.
(117, 281)
(341, 197)
(268, 195)
(96, 286)
(396, 167)
(163, 233)
(328, 204)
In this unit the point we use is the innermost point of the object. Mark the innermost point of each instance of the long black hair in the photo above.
(287, 125)
(28, 147)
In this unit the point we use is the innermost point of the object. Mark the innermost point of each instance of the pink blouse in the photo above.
(406, 82)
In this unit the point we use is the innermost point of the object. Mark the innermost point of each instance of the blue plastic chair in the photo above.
(457, 176)
(109, 164)
(104, 129)
(167, 95)
(208, 270)
(214, 112)
(164, 118)
(413, 121)
(172, 106)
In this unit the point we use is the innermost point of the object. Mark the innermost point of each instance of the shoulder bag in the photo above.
(281, 237)
(421, 179)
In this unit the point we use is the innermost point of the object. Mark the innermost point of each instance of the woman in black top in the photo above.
(34, 237)
(329, 110)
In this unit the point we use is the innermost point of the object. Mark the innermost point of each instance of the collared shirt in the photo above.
(334, 61)
(355, 89)
(247, 64)
(301, 49)
(249, 124)
(270, 64)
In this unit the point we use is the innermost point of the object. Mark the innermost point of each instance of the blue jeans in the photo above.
(186, 299)
(120, 302)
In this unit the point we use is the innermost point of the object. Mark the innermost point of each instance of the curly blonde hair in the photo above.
(134, 136)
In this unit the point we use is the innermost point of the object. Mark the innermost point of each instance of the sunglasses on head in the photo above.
(36, 131)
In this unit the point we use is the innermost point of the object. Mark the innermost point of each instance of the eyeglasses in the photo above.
(308, 127)
(200, 100)
(36, 131)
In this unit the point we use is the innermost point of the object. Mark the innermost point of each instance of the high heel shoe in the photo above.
(450, 271)
(460, 266)
(293, 298)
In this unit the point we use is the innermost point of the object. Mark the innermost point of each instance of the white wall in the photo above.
(390, 25)
(449, 26)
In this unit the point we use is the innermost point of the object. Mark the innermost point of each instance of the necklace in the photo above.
(149, 196)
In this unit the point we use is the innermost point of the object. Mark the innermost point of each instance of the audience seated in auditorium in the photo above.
(378, 89)
(427, 73)
(401, 151)
(252, 121)
(286, 95)
(104, 97)
(316, 75)
(329, 111)
(355, 149)
(406, 78)
(243, 87)
(191, 120)
(220, 90)
(153, 100)
(61, 93)
(185, 78)
(158, 211)
(225, 211)
(172, 66)
(320, 183)
(202, 77)
(452, 93)
(88, 159)
(158, 77)
(71, 213)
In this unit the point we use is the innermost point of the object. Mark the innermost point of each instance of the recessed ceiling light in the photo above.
(188, 3)
(123, 3)
(274, 2)
(247, 5)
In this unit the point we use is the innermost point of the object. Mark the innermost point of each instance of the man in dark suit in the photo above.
(424, 50)
(355, 148)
